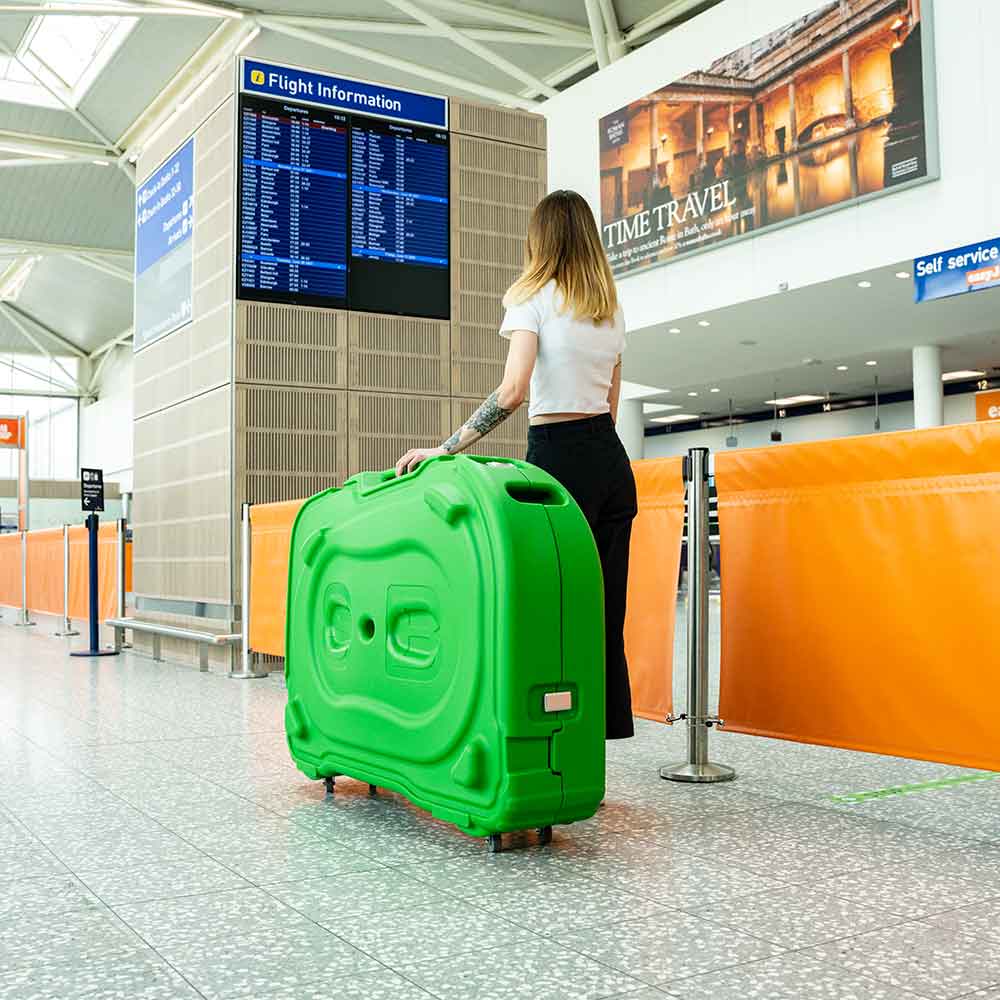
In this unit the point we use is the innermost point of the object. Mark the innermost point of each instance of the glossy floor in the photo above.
(156, 844)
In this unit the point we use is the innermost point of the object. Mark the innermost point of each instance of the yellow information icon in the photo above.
(257, 76)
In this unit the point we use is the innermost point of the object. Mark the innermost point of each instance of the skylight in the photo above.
(19, 87)
(61, 53)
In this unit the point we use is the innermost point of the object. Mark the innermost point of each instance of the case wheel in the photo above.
(373, 790)
(545, 835)
(329, 783)
(495, 843)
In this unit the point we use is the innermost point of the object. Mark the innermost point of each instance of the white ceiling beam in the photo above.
(95, 379)
(75, 112)
(30, 143)
(394, 62)
(90, 9)
(104, 267)
(613, 31)
(43, 393)
(11, 246)
(13, 314)
(48, 161)
(597, 32)
(671, 11)
(26, 317)
(513, 18)
(121, 338)
(640, 30)
(446, 30)
(567, 72)
(367, 26)
(197, 8)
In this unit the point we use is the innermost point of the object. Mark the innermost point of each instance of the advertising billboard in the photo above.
(830, 109)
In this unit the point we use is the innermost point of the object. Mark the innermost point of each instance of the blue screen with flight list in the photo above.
(342, 210)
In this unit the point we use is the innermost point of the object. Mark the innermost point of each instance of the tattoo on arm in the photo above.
(489, 415)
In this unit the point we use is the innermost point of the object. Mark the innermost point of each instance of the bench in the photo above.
(158, 632)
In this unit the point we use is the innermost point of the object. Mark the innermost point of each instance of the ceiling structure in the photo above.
(815, 341)
(84, 84)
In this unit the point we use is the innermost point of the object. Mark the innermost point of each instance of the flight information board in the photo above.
(293, 188)
(399, 216)
(342, 210)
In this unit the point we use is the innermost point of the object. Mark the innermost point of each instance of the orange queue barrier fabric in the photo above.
(10, 569)
(654, 566)
(45, 571)
(270, 538)
(860, 592)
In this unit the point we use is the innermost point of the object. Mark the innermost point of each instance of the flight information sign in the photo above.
(293, 186)
(341, 209)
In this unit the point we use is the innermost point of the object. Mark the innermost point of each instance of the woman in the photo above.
(566, 337)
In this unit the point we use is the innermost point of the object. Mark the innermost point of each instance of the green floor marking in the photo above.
(925, 786)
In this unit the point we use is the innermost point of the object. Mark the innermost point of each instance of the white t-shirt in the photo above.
(576, 357)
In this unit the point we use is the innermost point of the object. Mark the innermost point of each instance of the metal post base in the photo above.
(698, 773)
(94, 652)
(66, 630)
(249, 675)
(25, 624)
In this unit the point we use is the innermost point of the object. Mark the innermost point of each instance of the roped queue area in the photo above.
(825, 548)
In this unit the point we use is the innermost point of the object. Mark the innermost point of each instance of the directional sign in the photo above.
(164, 249)
(92, 489)
(10, 432)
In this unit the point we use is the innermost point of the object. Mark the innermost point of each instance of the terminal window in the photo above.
(342, 210)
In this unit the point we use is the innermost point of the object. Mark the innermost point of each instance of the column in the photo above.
(732, 123)
(631, 427)
(848, 90)
(654, 146)
(699, 130)
(928, 389)
(793, 119)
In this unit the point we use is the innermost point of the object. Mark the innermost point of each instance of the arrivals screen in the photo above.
(342, 210)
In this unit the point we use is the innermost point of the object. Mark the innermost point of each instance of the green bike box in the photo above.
(445, 639)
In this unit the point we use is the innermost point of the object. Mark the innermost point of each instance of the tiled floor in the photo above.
(157, 844)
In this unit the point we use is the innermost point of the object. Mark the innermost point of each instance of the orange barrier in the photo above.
(859, 588)
(654, 565)
(45, 571)
(270, 537)
(10, 569)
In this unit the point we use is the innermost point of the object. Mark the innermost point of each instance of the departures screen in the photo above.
(342, 210)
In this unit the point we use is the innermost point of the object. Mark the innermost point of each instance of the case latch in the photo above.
(558, 701)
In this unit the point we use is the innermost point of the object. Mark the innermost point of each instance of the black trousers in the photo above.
(587, 457)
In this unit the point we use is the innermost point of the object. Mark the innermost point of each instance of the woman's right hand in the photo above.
(413, 458)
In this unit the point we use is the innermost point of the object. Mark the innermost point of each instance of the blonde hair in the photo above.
(564, 246)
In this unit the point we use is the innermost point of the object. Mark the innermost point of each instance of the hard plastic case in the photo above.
(445, 639)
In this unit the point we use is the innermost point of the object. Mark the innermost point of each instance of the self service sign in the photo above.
(955, 272)
(164, 250)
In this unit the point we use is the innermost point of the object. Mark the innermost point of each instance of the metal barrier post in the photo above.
(121, 525)
(697, 768)
(67, 625)
(247, 669)
(23, 620)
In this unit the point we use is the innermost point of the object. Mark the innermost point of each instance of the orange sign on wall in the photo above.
(988, 405)
(11, 432)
